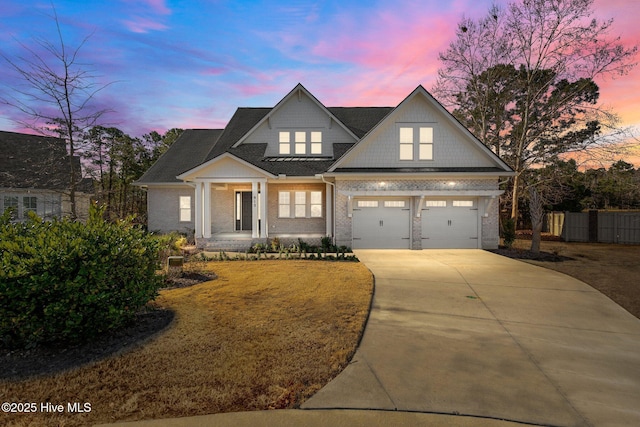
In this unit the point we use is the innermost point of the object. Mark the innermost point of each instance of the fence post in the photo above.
(593, 226)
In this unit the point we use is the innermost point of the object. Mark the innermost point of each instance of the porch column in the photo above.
(254, 208)
(264, 224)
(198, 218)
(328, 189)
(206, 217)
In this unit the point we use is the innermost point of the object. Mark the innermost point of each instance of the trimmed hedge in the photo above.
(65, 282)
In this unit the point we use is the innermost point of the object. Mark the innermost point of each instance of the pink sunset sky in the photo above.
(191, 64)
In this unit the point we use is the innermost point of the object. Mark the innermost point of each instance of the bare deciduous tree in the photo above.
(57, 98)
(522, 79)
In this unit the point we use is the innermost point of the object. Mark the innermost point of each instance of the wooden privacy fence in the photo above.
(595, 226)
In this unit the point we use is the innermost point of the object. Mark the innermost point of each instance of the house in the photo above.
(34, 176)
(409, 177)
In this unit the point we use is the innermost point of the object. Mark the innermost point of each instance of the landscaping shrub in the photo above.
(508, 232)
(63, 281)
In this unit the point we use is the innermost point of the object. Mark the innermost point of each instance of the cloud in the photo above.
(143, 25)
(146, 15)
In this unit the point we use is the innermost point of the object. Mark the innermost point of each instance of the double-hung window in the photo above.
(416, 139)
(284, 140)
(185, 208)
(300, 204)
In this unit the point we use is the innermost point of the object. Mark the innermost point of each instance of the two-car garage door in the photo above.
(385, 223)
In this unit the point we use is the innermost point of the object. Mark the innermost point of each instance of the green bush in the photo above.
(63, 281)
(508, 232)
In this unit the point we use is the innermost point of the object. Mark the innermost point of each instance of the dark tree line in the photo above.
(564, 187)
(114, 160)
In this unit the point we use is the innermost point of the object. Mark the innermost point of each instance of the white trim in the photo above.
(198, 207)
(264, 226)
(206, 217)
(189, 175)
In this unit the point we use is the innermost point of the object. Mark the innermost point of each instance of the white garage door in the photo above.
(381, 223)
(450, 223)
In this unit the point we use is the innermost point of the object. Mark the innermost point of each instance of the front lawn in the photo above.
(264, 334)
(611, 269)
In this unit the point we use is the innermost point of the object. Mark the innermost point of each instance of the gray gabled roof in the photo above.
(197, 146)
(36, 162)
(188, 151)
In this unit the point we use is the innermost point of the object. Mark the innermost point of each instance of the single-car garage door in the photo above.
(450, 223)
(381, 223)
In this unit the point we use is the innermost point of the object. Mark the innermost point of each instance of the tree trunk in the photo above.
(537, 212)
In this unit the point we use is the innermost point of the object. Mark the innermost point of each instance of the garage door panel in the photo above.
(450, 223)
(381, 224)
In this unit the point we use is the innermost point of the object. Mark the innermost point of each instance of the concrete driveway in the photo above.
(472, 333)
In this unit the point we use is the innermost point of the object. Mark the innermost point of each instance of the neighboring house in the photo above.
(371, 177)
(34, 176)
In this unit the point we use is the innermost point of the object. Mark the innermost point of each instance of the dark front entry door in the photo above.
(243, 210)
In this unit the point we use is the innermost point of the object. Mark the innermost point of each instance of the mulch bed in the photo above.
(48, 360)
(188, 279)
(525, 254)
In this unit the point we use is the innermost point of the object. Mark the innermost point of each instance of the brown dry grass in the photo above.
(614, 270)
(265, 334)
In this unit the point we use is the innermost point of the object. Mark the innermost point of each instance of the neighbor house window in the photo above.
(11, 202)
(185, 208)
(29, 203)
(301, 204)
(410, 136)
(285, 142)
(284, 204)
(51, 206)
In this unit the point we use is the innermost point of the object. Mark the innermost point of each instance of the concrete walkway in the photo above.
(469, 338)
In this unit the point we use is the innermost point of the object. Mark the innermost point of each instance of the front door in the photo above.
(243, 211)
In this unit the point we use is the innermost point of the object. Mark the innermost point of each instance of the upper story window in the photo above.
(304, 142)
(416, 142)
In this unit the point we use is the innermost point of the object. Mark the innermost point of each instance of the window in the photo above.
(394, 203)
(185, 208)
(426, 144)
(284, 204)
(367, 203)
(29, 203)
(436, 203)
(406, 143)
(285, 142)
(409, 136)
(301, 204)
(301, 142)
(316, 142)
(11, 202)
(463, 203)
(52, 208)
(316, 204)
